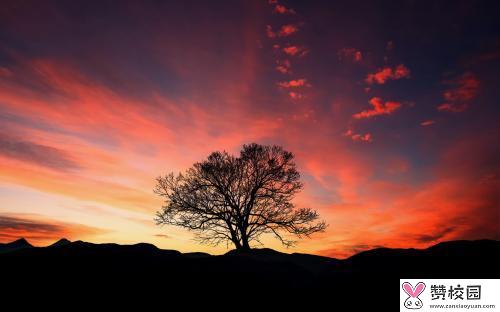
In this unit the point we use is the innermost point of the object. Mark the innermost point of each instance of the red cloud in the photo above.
(281, 9)
(295, 50)
(295, 95)
(401, 71)
(294, 83)
(287, 30)
(284, 66)
(350, 53)
(358, 137)
(379, 108)
(89, 127)
(284, 31)
(464, 89)
(388, 73)
(367, 137)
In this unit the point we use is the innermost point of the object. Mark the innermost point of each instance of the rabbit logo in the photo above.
(413, 302)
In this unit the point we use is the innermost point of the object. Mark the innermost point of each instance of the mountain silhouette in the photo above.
(61, 242)
(140, 267)
(15, 245)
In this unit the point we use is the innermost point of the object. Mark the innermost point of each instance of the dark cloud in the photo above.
(41, 231)
(19, 224)
(162, 235)
(41, 155)
(427, 238)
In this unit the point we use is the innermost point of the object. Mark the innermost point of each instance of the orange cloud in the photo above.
(294, 83)
(379, 108)
(463, 90)
(388, 73)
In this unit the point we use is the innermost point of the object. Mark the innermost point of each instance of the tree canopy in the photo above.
(238, 199)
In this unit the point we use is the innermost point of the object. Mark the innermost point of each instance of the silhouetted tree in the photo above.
(237, 199)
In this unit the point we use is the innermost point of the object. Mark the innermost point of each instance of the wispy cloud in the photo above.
(460, 94)
(382, 75)
(379, 108)
(297, 83)
(35, 153)
(162, 235)
(359, 137)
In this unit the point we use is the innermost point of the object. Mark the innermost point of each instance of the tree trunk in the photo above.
(245, 245)
(244, 241)
(237, 244)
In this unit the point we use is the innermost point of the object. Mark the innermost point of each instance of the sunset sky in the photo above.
(391, 108)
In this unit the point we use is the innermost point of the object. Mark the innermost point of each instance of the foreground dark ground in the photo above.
(90, 270)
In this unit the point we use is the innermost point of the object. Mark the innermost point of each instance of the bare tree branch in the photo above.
(238, 199)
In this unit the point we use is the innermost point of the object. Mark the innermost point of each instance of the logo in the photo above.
(413, 302)
(448, 295)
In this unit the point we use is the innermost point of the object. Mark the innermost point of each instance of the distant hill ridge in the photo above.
(260, 253)
(68, 266)
(264, 253)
